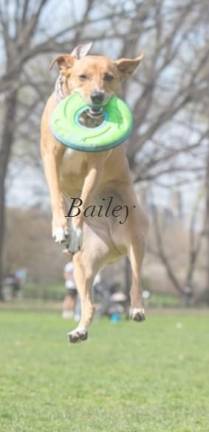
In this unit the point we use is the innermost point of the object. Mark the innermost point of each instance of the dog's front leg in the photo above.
(52, 157)
(92, 180)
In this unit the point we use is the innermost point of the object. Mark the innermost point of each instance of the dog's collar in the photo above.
(59, 91)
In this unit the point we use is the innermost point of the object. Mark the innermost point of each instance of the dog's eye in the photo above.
(83, 77)
(108, 77)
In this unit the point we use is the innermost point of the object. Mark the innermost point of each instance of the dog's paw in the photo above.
(60, 235)
(75, 240)
(77, 335)
(137, 314)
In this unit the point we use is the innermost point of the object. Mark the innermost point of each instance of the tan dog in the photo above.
(101, 234)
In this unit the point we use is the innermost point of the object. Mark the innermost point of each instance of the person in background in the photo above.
(13, 284)
(20, 280)
(70, 307)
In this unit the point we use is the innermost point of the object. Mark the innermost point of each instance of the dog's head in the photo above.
(96, 78)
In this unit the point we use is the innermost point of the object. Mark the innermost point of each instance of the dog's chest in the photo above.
(73, 162)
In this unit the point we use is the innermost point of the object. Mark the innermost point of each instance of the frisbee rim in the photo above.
(93, 148)
(90, 147)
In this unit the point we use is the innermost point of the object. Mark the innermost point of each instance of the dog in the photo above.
(93, 178)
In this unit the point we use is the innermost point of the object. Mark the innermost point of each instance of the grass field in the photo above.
(152, 377)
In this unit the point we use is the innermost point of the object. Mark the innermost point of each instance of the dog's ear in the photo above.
(63, 61)
(81, 50)
(127, 66)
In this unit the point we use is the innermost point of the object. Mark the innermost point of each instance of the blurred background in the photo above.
(168, 151)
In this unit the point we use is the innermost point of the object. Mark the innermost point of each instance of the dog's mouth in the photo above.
(92, 117)
(96, 110)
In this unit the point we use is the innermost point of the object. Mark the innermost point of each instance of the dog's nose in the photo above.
(97, 97)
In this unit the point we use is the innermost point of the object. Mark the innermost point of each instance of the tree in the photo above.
(24, 37)
(185, 285)
(166, 94)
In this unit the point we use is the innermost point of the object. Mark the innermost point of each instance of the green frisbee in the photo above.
(114, 129)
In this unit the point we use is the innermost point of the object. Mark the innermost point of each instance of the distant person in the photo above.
(13, 286)
(16, 286)
(70, 308)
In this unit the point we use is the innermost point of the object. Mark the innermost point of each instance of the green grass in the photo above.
(165, 300)
(56, 292)
(45, 292)
(152, 377)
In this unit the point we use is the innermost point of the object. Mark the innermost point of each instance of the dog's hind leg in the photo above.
(136, 254)
(138, 227)
(134, 233)
(84, 278)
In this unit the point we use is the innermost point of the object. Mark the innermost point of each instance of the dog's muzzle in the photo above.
(97, 97)
(96, 109)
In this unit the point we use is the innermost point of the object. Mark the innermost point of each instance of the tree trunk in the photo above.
(7, 138)
(206, 296)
